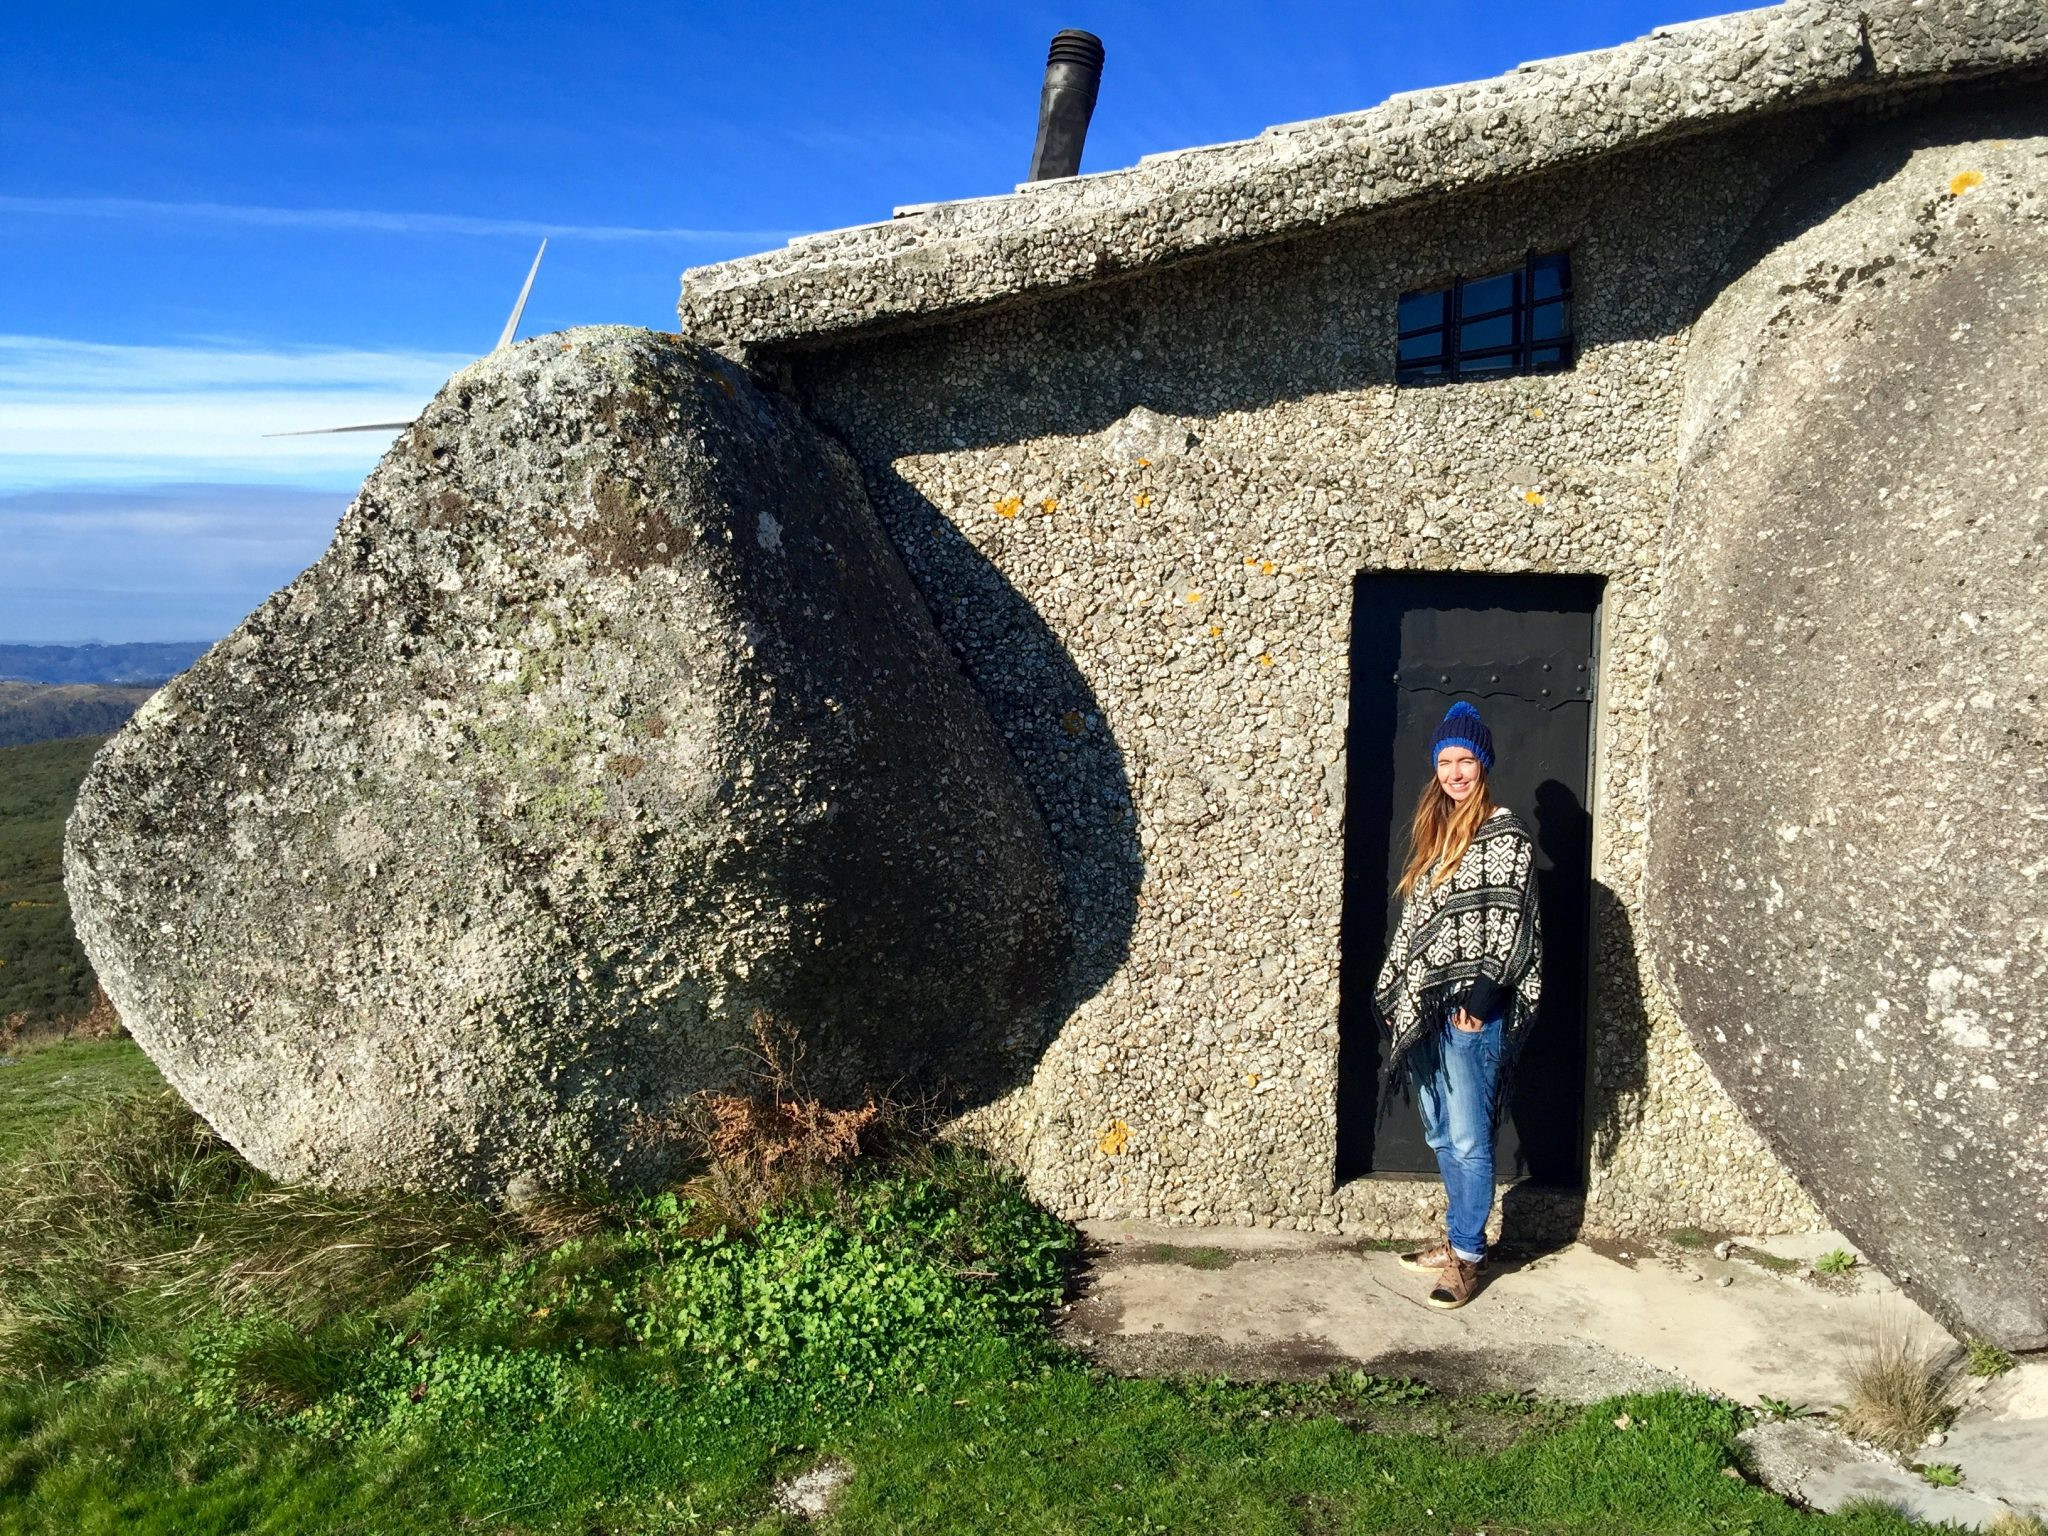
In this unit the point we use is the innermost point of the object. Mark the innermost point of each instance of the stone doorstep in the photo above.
(1578, 1323)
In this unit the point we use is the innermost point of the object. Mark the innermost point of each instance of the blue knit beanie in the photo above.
(1462, 727)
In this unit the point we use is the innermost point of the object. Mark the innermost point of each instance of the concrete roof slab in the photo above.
(954, 257)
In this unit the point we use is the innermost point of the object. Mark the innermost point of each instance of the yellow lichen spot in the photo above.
(1009, 506)
(1537, 412)
(1049, 506)
(1964, 181)
(1534, 498)
(1266, 567)
(1143, 498)
(1266, 660)
(1192, 597)
(1252, 1078)
(1215, 630)
(1237, 893)
(1073, 722)
(1144, 463)
(1251, 560)
(1114, 1140)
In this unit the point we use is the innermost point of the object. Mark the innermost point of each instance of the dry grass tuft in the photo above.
(137, 1215)
(1900, 1390)
(2010, 1522)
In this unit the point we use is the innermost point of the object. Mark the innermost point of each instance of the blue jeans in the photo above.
(1455, 1076)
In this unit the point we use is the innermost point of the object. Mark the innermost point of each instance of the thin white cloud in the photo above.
(55, 365)
(383, 221)
(73, 411)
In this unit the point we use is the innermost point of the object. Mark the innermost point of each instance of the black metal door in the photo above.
(1521, 649)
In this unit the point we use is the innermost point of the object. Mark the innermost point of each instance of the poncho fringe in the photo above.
(1479, 929)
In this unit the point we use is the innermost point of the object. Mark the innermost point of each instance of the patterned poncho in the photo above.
(1474, 942)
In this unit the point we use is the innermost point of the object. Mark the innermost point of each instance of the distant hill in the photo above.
(142, 662)
(50, 711)
(44, 976)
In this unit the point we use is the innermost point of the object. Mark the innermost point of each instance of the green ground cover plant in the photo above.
(1982, 1358)
(195, 1349)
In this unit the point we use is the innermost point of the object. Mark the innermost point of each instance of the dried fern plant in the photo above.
(774, 1140)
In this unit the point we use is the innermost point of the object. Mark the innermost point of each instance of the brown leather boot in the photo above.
(1456, 1283)
(1427, 1260)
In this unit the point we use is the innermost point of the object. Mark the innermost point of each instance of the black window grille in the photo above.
(1508, 322)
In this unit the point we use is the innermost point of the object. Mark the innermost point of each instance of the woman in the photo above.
(1459, 987)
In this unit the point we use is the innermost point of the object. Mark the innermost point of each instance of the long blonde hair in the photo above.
(1441, 832)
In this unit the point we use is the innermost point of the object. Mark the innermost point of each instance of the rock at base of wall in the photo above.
(609, 719)
(1848, 881)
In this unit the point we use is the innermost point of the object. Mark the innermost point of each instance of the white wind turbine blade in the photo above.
(368, 426)
(519, 309)
(511, 326)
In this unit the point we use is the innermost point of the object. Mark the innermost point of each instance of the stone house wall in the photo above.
(1137, 513)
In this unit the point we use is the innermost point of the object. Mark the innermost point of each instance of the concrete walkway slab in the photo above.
(1746, 1321)
(1817, 1466)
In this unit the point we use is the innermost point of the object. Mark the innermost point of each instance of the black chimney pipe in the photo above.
(1073, 74)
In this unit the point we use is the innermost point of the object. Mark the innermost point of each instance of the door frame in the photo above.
(1597, 838)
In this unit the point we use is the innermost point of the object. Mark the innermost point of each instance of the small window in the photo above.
(1506, 322)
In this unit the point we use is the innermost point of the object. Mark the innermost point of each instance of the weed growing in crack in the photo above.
(1836, 1261)
(1985, 1359)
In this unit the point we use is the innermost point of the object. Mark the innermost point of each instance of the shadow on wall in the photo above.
(1049, 717)
(1837, 179)
(1314, 315)
(1537, 1218)
(1246, 331)
(1618, 1061)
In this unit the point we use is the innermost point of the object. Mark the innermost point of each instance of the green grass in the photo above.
(228, 1365)
(1776, 1263)
(39, 1088)
(44, 975)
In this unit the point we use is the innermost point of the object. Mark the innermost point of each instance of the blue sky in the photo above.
(226, 220)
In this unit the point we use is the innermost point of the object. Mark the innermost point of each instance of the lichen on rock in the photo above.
(609, 718)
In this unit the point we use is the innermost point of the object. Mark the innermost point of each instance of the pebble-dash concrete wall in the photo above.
(1137, 513)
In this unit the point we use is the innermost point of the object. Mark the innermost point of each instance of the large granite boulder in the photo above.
(609, 718)
(1848, 882)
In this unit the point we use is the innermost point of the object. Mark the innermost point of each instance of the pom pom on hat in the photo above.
(1462, 727)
